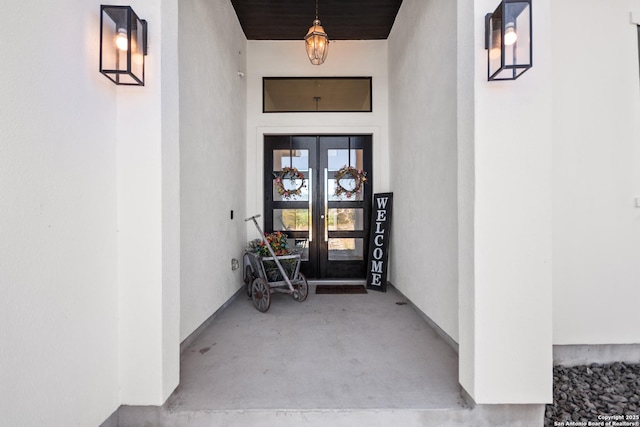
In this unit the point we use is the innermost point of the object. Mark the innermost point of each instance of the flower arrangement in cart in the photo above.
(356, 176)
(277, 240)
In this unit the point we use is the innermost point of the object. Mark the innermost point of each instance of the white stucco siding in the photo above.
(147, 206)
(513, 223)
(212, 157)
(58, 229)
(423, 158)
(596, 129)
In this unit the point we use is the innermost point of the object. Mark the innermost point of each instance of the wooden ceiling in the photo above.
(341, 19)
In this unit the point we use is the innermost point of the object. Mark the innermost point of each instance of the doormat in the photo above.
(340, 289)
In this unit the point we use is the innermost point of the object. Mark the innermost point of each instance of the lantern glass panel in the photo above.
(495, 44)
(517, 25)
(113, 20)
(137, 47)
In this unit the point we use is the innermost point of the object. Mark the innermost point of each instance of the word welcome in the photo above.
(379, 242)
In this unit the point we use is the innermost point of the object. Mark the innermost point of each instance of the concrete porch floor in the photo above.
(331, 360)
(328, 352)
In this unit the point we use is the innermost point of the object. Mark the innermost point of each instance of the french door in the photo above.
(333, 228)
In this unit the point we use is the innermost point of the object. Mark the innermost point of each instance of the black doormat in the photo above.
(340, 289)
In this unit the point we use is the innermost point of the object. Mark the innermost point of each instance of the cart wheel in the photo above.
(248, 279)
(261, 294)
(302, 288)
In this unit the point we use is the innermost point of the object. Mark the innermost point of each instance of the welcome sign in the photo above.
(379, 242)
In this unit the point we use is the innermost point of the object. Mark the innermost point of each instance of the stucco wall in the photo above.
(212, 157)
(423, 158)
(512, 224)
(505, 330)
(58, 281)
(148, 226)
(596, 137)
(466, 57)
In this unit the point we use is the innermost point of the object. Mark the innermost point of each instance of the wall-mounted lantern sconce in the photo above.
(508, 39)
(123, 45)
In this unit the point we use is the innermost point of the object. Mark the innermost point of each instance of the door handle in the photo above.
(310, 195)
(326, 205)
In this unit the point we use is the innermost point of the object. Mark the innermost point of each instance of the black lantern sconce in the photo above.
(123, 45)
(508, 40)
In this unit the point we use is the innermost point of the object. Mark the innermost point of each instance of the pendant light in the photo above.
(317, 42)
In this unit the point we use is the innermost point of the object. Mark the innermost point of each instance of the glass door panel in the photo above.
(291, 158)
(345, 219)
(291, 220)
(346, 249)
(302, 184)
(304, 245)
(336, 160)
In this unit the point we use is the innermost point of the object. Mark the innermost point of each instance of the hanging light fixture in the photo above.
(317, 42)
(508, 36)
(123, 45)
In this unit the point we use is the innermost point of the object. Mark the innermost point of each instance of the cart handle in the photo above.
(270, 249)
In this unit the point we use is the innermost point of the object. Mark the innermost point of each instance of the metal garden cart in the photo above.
(266, 275)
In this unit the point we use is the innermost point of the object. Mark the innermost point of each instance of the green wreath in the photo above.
(357, 175)
(291, 174)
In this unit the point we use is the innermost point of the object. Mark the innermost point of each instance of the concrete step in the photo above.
(480, 416)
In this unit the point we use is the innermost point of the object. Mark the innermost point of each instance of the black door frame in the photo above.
(291, 142)
(318, 265)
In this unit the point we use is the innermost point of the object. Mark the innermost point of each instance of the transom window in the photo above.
(312, 94)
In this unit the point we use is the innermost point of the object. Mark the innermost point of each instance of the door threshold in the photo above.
(337, 281)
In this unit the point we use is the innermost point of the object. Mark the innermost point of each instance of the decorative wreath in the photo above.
(349, 172)
(291, 174)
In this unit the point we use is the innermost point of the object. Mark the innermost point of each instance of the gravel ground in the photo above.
(594, 395)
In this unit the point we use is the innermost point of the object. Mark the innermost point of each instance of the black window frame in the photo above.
(369, 78)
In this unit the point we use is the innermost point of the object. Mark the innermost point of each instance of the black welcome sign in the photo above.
(379, 242)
